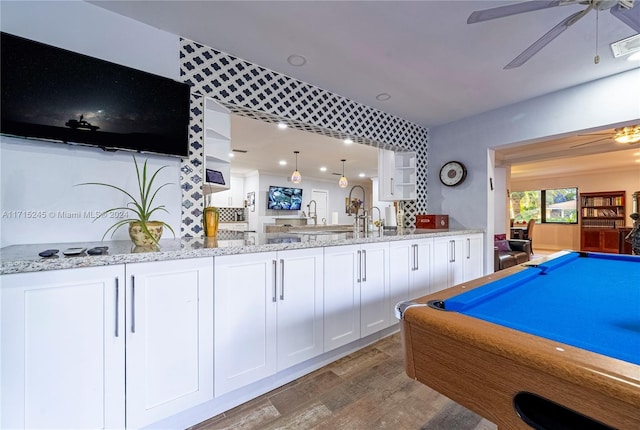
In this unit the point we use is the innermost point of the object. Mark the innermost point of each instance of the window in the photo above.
(559, 206)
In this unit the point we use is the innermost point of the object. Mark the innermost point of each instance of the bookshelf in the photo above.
(602, 216)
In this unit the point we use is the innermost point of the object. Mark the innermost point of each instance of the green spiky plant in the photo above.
(141, 206)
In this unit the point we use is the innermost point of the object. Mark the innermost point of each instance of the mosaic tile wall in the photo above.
(251, 90)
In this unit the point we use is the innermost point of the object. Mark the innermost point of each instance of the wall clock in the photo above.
(453, 173)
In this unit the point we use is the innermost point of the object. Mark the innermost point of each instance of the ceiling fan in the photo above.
(625, 10)
(629, 135)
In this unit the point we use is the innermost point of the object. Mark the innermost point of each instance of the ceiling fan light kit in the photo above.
(629, 135)
(626, 11)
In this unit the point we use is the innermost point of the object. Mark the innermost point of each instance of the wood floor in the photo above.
(365, 390)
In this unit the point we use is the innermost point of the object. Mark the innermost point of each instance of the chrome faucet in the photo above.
(357, 223)
(315, 212)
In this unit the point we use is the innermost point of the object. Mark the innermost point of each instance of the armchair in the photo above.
(508, 253)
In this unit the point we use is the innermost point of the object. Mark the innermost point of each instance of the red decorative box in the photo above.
(432, 221)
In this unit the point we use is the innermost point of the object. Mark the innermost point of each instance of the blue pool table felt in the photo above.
(590, 302)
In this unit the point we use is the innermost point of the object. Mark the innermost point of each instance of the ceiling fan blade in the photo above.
(546, 39)
(589, 143)
(631, 17)
(511, 9)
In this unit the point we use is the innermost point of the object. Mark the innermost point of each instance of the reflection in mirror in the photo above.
(261, 146)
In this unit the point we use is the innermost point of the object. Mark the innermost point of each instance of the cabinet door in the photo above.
(300, 306)
(421, 268)
(63, 349)
(473, 257)
(400, 264)
(386, 178)
(374, 308)
(341, 296)
(448, 262)
(169, 338)
(245, 319)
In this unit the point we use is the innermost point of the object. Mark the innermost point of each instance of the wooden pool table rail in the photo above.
(483, 366)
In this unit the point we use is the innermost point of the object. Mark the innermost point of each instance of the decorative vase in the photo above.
(141, 238)
(211, 218)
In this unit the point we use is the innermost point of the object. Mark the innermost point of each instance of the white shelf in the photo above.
(217, 144)
(397, 175)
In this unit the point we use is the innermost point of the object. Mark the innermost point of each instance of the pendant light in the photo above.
(342, 183)
(296, 177)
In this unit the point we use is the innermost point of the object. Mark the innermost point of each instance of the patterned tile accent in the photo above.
(253, 91)
(191, 173)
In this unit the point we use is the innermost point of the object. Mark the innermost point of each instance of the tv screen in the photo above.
(54, 94)
(284, 198)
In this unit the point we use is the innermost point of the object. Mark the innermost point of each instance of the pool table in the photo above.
(550, 344)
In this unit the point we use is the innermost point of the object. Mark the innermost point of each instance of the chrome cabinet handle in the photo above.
(359, 266)
(133, 304)
(275, 281)
(364, 259)
(392, 186)
(451, 251)
(468, 248)
(281, 279)
(117, 307)
(415, 257)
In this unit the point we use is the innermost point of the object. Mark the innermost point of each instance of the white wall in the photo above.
(613, 100)
(38, 176)
(336, 199)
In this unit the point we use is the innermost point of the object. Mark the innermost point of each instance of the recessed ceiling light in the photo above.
(383, 97)
(231, 154)
(282, 125)
(323, 169)
(634, 57)
(282, 162)
(362, 175)
(296, 60)
(348, 141)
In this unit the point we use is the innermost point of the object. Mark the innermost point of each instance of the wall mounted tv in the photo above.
(284, 198)
(58, 95)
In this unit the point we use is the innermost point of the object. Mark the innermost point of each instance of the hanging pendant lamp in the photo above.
(343, 183)
(296, 177)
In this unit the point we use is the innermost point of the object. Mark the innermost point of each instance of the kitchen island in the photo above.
(202, 324)
(25, 258)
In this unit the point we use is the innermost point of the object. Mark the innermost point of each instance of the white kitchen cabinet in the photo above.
(63, 349)
(474, 256)
(341, 296)
(356, 292)
(169, 332)
(396, 175)
(448, 261)
(300, 306)
(233, 226)
(268, 314)
(457, 258)
(374, 294)
(231, 198)
(410, 270)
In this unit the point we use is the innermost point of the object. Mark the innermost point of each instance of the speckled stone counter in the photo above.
(25, 258)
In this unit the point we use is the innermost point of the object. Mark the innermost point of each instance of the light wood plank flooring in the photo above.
(365, 390)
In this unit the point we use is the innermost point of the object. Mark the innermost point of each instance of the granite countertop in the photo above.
(25, 258)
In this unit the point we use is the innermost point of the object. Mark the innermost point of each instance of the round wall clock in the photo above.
(453, 173)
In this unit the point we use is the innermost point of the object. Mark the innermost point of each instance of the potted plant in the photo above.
(142, 230)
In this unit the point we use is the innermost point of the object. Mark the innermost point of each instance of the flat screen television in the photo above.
(58, 95)
(284, 198)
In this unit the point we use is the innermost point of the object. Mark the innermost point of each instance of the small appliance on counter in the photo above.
(432, 221)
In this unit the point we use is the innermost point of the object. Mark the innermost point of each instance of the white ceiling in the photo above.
(436, 67)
